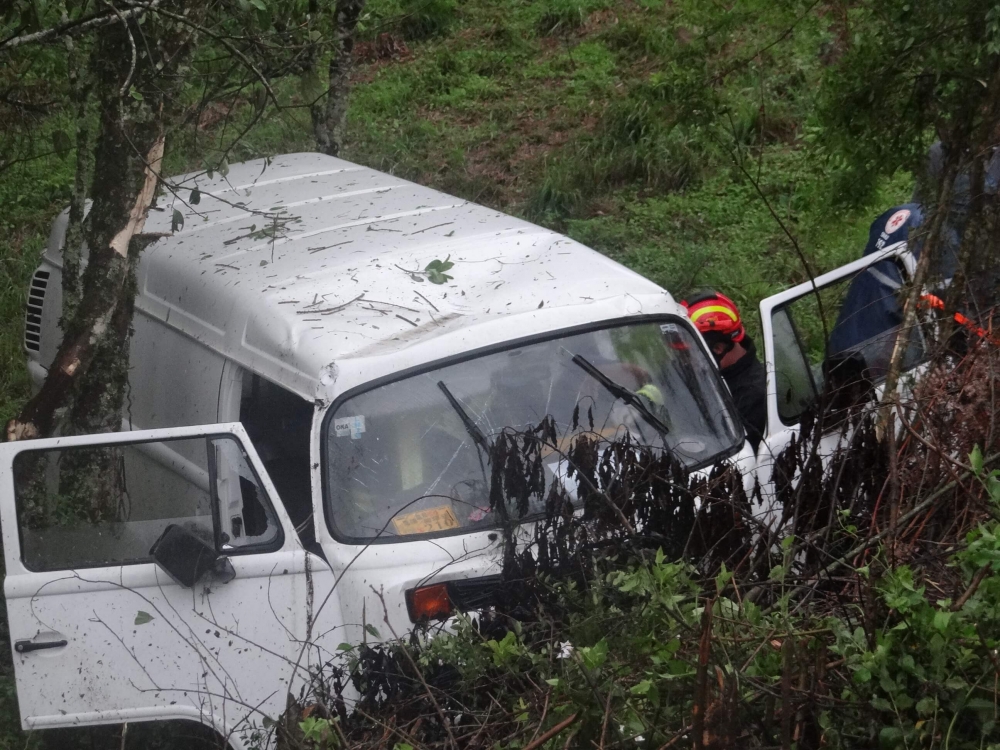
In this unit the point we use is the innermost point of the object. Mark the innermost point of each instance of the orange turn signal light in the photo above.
(429, 603)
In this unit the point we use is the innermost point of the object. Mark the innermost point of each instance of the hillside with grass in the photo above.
(570, 113)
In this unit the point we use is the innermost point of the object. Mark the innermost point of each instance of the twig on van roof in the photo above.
(427, 229)
(427, 301)
(226, 265)
(415, 275)
(327, 247)
(407, 320)
(329, 310)
(392, 304)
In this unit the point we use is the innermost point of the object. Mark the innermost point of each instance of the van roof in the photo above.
(295, 262)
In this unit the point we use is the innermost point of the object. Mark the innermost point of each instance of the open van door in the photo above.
(822, 332)
(151, 575)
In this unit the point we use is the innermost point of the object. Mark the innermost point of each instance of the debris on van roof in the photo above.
(301, 260)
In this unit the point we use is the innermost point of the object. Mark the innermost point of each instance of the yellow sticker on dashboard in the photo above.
(441, 518)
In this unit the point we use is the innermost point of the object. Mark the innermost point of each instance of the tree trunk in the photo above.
(73, 244)
(329, 114)
(90, 369)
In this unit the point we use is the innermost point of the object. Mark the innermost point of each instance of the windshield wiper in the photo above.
(477, 435)
(619, 391)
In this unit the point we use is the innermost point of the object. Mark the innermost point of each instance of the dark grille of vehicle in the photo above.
(33, 313)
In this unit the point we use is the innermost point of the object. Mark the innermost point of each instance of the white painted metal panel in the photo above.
(224, 654)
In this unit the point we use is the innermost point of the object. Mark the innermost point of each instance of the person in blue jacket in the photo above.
(871, 313)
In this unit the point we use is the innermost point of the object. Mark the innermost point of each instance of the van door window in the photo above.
(279, 424)
(838, 342)
(83, 506)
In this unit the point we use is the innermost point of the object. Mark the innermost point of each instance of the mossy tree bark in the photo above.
(133, 75)
(330, 112)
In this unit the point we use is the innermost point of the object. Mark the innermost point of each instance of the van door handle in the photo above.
(23, 647)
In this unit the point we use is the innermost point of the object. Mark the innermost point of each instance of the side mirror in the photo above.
(187, 558)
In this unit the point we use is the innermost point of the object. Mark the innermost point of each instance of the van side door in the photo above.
(102, 633)
(821, 335)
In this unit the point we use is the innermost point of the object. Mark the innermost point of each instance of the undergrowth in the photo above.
(674, 610)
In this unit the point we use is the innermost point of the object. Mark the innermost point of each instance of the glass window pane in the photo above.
(400, 459)
(103, 505)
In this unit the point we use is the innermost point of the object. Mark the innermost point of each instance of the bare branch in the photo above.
(75, 28)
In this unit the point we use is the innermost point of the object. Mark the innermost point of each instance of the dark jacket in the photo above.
(871, 308)
(747, 381)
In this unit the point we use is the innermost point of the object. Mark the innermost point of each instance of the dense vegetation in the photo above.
(741, 147)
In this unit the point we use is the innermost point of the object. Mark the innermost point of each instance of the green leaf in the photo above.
(976, 459)
(723, 577)
(177, 222)
(224, 168)
(881, 704)
(436, 277)
(993, 487)
(980, 704)
(941, 620)
(372, 631)
(642, 688)
(435, 270)
(890, 737)
(402, 746)
(956, 683)
(345, 647)
(135, 94)
(195, 197)
(142, 618)
(258, 4)
(554, 682)
(595, 656)
(862, 675)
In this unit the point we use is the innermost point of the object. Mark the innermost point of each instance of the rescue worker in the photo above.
(870, 314)
(718, 319)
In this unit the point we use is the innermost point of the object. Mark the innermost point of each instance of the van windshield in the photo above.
(411, 457)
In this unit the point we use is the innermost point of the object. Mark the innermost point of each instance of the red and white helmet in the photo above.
(712, 312)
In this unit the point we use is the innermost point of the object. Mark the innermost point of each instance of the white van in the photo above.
(337, 471)
(306, 418)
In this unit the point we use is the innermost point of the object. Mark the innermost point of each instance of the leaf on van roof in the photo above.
(141, 618)
(177, 222)
(435, 270)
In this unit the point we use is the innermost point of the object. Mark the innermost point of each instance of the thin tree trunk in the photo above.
(73, 243)
(329, 113)
(89, 371)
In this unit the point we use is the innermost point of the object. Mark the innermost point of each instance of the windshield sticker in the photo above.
(441, 518)
(353, 426)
